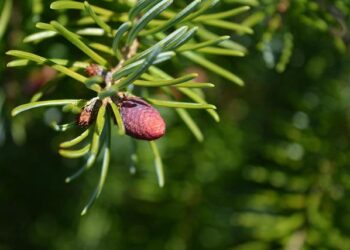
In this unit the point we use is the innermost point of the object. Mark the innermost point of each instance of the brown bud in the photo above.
(141, 120)
(94, 70)
(89, 113)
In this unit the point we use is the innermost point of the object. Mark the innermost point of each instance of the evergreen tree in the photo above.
(272, 174)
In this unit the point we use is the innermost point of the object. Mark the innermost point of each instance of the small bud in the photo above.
(94, 70)
(141, 120)
(89, 112)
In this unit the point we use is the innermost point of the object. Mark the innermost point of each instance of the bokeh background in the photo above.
(273, 174)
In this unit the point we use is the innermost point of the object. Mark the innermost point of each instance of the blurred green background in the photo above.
(273, 174)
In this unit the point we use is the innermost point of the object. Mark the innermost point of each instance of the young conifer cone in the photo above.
(88, 115)
(94, 70)
(141, 120)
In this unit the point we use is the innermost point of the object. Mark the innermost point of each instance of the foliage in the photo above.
(273, 174)
(277, 40)
(119, 68)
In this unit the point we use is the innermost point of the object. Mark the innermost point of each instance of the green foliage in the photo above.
(148, 34)
(277, 41)
(273, 174)
(5, 16)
